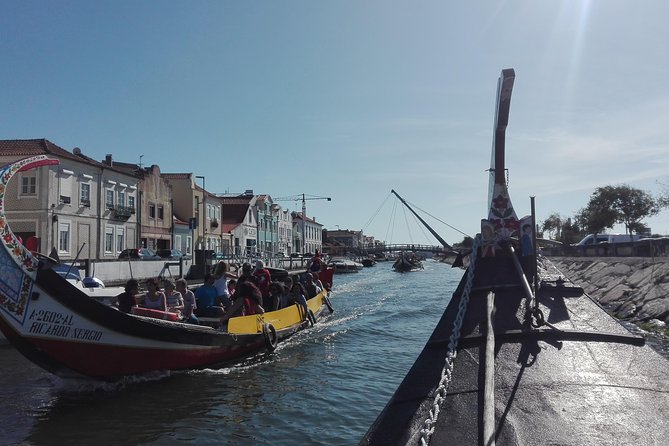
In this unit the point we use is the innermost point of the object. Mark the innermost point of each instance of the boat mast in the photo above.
(502, 221)
(438, 237)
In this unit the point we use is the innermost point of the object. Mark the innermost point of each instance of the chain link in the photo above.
(447, 371)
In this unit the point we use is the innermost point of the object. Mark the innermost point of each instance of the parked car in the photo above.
(607, 238)
(172, 254)
(139, 254)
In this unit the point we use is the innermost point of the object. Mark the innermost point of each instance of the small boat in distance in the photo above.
(521, 356)
(406, 262)
(368, 261)
(59, 327)
(344, 266)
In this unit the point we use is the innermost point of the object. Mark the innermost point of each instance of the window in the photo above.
(64, 237)
(109, 199)
(109, 240)
(120, 239)
(177, 242)
(121, 198)
(85, 195)
(29, 185)
(152, 210)
(131, 201)
(161, 212)
(189, 244)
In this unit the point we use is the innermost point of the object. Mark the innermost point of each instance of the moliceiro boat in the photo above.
(521, 356)
(407, 262)
(62, 329)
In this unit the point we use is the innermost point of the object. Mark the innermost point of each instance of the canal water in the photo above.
(323, 386)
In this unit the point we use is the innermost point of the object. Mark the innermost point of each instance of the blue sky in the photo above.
(350, 99)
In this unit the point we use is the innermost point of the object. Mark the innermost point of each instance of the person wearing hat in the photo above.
(262, 280)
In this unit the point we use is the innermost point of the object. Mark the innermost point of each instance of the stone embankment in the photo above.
(634, 288)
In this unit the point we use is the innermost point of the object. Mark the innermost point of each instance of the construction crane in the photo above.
(303, 198)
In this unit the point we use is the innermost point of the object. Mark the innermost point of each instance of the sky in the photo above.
(349, 99)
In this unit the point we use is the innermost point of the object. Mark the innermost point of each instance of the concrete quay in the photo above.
(632, 288)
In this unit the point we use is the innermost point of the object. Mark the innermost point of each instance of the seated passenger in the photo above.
(206, 296)
(262, 278)
(189, 302)
(277, 296)
(221, 276)
(310, 287)
(154, 298)
(128, 299)
(247, 274)
(297, 296)
(175, 302)
(247, 301)
(232, 284)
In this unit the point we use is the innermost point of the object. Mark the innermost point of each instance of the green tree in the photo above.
(609, 205)
(570, 233)
(467, 242)
(553, 226)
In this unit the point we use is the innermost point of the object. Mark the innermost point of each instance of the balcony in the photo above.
(121, 212)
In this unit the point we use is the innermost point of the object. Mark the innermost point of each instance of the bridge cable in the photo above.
(439, 220)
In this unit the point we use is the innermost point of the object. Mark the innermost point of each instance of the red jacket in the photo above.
(263, 280)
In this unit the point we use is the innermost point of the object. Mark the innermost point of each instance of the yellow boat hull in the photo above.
(282, 319)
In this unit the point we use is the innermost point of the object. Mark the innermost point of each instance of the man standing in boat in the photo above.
(315, 264)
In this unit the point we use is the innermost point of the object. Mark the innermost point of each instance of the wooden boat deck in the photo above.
(579, 380)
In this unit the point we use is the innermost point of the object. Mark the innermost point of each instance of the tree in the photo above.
(553, 225)
(570, 233)
(609, 205)
(597, 215)
(467, 242)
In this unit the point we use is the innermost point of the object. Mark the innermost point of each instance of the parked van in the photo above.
(608, 238)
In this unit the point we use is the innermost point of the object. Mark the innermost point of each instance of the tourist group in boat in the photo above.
(223, 294)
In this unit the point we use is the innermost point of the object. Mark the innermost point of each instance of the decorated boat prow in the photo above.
(63, 329)
(521, 356)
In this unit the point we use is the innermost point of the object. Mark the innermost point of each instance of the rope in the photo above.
(447, 371)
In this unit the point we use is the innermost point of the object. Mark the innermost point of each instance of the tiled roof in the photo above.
(298, 216)
(176, 176)
(237, 200)
(32, 147)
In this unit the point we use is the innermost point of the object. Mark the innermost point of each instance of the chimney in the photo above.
(108, 160)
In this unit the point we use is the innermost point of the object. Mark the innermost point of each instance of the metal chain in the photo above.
(447, 371)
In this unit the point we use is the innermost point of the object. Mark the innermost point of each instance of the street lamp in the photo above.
(204, 211)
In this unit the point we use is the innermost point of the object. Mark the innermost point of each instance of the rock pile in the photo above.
(634, 288)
